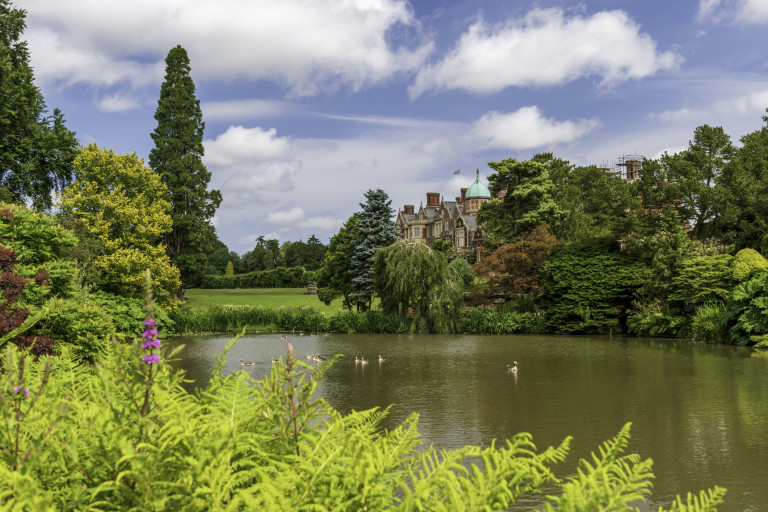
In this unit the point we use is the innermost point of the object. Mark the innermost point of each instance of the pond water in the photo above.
(699, 411)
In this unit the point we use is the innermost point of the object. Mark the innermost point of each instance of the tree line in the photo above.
(676, 251)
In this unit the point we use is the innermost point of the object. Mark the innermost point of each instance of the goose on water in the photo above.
(244, 363)
(512, 367)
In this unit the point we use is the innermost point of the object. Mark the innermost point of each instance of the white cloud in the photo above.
(682, 115)
(286, 217)
(119, 103)
(754, 102)
(546, 48)
(526, 128)
(307, 46)
(742, 12)
(296, 217)
(246, 146)
(245, 109)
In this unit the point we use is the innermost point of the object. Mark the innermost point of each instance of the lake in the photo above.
(699, 411)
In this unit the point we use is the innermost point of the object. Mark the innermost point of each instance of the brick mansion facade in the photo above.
(452, 221)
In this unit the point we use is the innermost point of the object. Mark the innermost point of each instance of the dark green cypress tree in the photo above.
(36, 149)
(177, 157)
(375, 229)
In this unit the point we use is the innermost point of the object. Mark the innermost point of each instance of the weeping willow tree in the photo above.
(414, 279)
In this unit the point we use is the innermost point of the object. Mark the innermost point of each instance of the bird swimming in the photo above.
(243, 363)
(274, 360)
(512, 367)
(381, 359)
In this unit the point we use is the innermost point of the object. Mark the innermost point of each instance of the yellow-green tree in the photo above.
(120, 202)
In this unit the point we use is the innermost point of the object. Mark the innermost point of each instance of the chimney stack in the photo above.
(408, 208)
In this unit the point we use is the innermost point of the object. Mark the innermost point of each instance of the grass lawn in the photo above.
(268, 297)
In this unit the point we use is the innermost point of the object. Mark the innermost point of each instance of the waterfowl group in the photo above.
(512, 367)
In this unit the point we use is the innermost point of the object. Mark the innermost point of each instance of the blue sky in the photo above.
(309, 103)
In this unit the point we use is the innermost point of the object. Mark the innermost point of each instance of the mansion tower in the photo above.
(452, 221)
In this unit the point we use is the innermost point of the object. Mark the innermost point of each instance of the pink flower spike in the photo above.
(151, 358)
(155, 343)
(149, 322)
(17, 389)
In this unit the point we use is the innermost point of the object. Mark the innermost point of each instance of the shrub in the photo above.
(486, 321)
(87, 328)
(654, 320)
(746, 262)
(588, 286)
(708, 323)
(702, 280)
(746, 312)
(128, 313)
(292, 277)
(463, 270)
(368, 322)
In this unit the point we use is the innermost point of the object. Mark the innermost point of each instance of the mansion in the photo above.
(452, 221)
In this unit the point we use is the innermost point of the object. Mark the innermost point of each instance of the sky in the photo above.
(310, 103)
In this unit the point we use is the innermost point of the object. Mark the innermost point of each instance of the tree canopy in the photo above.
(528, 197)
(122, 204)
(36, 149)
(413, 279)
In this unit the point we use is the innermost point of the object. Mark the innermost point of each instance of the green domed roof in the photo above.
(477, 189)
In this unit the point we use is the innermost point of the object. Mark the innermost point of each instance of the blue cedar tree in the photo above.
(375, 229)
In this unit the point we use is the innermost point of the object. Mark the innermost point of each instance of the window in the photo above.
(416, 232)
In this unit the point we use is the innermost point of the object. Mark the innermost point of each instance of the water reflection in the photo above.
(700, 411)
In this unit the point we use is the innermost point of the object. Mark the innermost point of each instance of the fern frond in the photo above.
(706, 501)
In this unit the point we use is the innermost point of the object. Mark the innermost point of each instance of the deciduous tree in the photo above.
(515, 268)
(36, 149)
(413, 279)
(123, 204)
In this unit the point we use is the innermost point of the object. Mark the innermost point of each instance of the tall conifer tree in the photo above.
(375, 229)
(177, 157)
(36, 149)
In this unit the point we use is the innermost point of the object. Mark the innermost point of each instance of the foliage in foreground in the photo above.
(125, 435)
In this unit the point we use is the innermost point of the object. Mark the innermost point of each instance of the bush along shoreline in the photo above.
(232, 318)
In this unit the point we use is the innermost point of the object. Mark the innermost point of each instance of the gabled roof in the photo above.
(470, 221)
